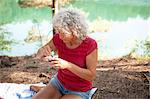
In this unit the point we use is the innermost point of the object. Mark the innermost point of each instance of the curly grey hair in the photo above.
(71, 21)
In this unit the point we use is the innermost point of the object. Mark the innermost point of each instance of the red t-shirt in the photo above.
(77, 56)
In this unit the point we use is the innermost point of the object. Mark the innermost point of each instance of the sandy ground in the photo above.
(123, 78)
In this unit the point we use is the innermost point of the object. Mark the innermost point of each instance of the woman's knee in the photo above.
(48, 92)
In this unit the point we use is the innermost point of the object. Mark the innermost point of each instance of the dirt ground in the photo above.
(123, 78)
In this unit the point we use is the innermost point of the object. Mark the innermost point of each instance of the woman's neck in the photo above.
(74, 44)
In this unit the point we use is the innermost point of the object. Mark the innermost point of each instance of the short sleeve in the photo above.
(56, 40)
(92, 46)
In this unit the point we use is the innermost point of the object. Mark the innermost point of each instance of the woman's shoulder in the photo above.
(89, 40)
(90, 44)
(57, 41)
(56, 37)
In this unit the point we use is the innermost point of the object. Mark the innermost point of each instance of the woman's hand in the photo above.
(60, 63)
(43, 52)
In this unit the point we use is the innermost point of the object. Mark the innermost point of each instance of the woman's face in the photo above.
(66, 37)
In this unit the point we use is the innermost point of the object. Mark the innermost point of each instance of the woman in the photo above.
(77, 58)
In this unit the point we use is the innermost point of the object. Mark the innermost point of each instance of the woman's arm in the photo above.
(45, 50)
(88, 74)
(91, 63)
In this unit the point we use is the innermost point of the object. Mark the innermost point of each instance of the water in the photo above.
(19, 33)
(122, 37)
(119, 10)
(129, 20)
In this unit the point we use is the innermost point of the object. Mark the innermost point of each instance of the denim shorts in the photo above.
(56, 83)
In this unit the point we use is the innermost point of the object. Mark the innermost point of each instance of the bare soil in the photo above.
(123, 78)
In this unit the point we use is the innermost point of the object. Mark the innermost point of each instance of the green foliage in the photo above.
(5, 42)
(114, 9)
(147, 44)
(143, 45)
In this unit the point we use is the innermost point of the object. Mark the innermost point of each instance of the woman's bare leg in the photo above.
(48, 92)
(70, 96)
(36, 88)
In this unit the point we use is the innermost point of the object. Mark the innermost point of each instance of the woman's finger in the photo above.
(54, 62)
